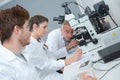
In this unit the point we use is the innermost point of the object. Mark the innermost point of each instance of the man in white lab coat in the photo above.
(14, 35)
(38, 55)
(60, 39)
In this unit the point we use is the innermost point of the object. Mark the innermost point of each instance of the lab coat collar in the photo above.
(7, 54)
(32, 39)
(38, 43)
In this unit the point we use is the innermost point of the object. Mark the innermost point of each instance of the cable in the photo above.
(113, 20)
(96, 68)
(98, 61)
(109, 70)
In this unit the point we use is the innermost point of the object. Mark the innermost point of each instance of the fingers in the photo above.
(73, 43)
(79, 51)
(90, 78)
(85, 76)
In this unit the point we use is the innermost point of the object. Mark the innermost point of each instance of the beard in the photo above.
(24, 40)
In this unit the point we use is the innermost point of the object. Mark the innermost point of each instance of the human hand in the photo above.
(76, 55)
(78, 52)
(72, 43)
(85, 76)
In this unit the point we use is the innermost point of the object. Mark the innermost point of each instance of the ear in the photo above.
(35, 26)
(16, 29)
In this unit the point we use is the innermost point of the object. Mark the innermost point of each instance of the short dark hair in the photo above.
(37, 19)
(10, 17)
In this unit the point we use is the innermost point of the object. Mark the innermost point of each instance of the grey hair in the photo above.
(64, 23)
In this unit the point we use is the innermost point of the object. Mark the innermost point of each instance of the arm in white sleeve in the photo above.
(39, 58)
(54, 65)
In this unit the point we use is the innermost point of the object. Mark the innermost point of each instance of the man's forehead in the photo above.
(67, 26)
(68, 29)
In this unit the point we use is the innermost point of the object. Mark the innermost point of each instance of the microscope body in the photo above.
(84, 32)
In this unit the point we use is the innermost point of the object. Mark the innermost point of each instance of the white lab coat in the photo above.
(14, 68)
(44, 61)
(56, 43)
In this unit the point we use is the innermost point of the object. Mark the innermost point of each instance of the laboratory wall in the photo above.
(48, 8)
